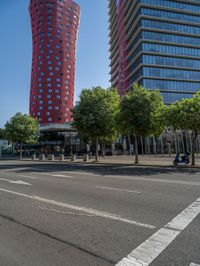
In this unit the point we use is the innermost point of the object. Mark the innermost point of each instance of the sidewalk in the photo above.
(143, 160)
(146, 160)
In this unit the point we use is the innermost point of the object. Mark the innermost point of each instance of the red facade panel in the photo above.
(54, 35)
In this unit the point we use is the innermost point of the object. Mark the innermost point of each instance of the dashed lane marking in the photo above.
(194, 264)
(149, 179)
(90, 211)
(119, 189)
(149, 250)
(27, 176)
(53, 174)
(17, 182)
(59, 175)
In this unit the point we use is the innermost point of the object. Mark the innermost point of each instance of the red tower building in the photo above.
(54, 34)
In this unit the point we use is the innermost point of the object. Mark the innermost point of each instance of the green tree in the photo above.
(185, 115)
(22, 129)
(95, 114)
(140, 114)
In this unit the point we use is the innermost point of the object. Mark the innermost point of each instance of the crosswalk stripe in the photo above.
(149, 250)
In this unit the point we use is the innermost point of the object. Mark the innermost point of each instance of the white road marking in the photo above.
(53, 174)
(81, 209)
(119, 189)
(87, 173)
(194, 264)
(15, 169)
(59, 175)
(18, 182)
(27, 176)
(170, 181)
(149, 250)
(39, 173)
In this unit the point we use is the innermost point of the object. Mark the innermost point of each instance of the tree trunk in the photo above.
(97, 152)
(129, 144)
(141, 139)
(161, 144)
(194, 137)
(20, 152)
(136, 151)
(13, 152)
(103, 150)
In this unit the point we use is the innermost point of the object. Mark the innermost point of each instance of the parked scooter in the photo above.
(184, 160)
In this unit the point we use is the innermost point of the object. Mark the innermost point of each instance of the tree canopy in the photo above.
(185, 115)
(140, 113)
(22, 129)
(95, 114)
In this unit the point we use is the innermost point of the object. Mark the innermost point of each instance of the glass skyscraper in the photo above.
(156, 43)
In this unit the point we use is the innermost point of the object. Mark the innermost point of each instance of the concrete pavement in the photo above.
(80, 214)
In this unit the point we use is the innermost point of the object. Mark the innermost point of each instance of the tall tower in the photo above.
(155, 43)
(54, 36)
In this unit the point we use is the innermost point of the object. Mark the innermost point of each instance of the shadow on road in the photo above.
(100, 169)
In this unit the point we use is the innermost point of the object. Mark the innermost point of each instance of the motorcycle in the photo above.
(184, 160)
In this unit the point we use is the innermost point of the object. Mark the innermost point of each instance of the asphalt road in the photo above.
(58, 214)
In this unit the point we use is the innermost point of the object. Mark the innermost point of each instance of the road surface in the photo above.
(58, 214)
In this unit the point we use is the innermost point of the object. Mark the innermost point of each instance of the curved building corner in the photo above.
(54, 35)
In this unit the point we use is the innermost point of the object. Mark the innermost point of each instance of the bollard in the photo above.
(41, 157)
(34, 156)
(85, 157)
(61, 157)
(51, 157)
(73, 157)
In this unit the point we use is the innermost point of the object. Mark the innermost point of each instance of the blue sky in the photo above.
(16, 53)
